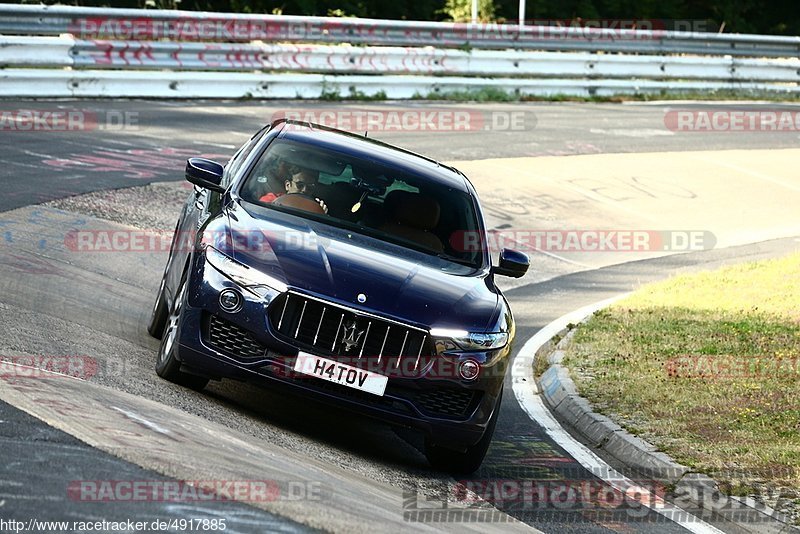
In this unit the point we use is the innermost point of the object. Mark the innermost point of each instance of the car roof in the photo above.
(371, 149)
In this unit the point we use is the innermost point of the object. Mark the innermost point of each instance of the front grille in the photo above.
(446, 402)
(232, 339)
(360, 339)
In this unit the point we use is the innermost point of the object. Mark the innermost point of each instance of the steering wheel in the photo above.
(300, 201)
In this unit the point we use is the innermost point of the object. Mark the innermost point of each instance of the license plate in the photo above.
(339, 373)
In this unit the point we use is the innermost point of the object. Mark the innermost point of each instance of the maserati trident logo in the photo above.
(351, 336)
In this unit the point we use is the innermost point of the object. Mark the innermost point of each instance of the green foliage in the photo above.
(484, 94)
(355, 94)
(332, 94)
(329, 93)
(162, 4)
(338, 13)
(780, 17)
(461, 10)
(401, 9)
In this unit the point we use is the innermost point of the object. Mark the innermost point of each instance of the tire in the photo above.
(160, 314)
(168, 365)
(466, 462)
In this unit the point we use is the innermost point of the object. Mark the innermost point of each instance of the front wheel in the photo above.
(168, 365)
(466, 462)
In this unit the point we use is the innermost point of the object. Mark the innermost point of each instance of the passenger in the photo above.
(271, 176)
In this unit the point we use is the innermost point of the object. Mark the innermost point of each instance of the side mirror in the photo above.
(512, 263)
(205, 173)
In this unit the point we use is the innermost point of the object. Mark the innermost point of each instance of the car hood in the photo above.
(339, 265)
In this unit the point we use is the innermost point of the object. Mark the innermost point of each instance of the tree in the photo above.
(461, 10)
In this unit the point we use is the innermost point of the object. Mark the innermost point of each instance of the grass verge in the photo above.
(706, 367)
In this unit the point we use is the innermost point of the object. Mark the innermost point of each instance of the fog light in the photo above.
(230, 301)
(469, 369)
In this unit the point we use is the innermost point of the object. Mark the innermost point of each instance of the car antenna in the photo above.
(366, 132)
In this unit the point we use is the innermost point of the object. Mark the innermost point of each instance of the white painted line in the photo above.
(38, 154)
(31, 371)
(633, 132)
(133, 416)
(218, 145)
(28, 498)
(531, 402)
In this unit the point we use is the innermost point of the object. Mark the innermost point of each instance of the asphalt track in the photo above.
(53, 301)
(128, 143)
(48, 460)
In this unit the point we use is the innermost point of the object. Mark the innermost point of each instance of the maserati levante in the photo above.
(347, 270)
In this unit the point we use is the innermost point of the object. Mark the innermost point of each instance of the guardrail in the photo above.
(153, 55)
(135, 24)
(48, 83)
(527, 60)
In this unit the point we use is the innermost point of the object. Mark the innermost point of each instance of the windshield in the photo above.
(366, 197)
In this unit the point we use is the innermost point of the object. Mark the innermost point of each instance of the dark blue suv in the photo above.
(346, 270)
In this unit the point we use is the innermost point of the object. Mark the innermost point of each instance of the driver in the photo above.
(303, 181)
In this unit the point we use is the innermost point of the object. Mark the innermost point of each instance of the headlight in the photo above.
(240, 273)
(469, 341)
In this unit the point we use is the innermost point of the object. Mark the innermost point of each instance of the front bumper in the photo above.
(451, 412)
